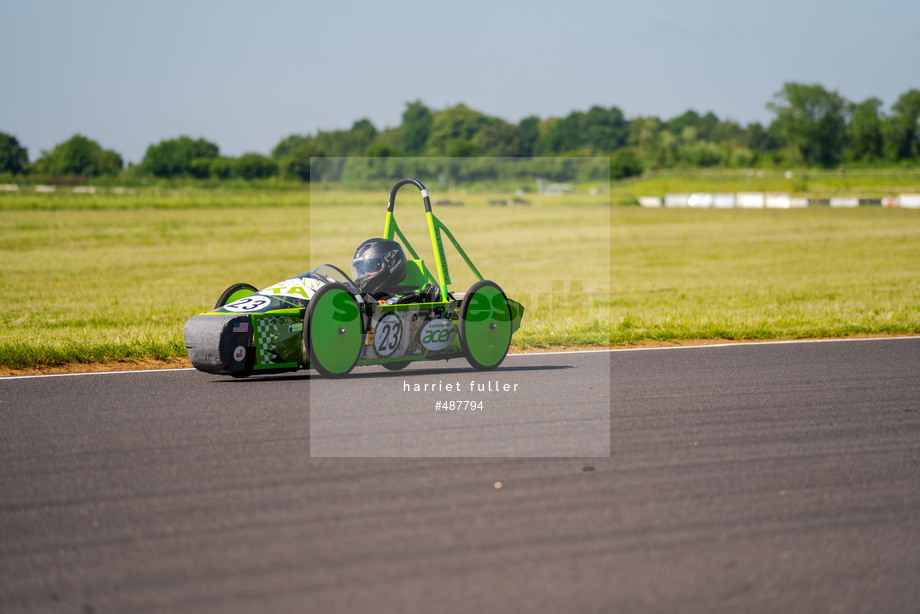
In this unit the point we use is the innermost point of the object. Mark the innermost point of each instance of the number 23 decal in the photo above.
(387, 335)
(253, 302)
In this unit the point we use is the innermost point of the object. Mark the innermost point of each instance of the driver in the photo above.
(379, 266)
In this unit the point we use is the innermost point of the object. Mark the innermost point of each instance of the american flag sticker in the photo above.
(241, 327)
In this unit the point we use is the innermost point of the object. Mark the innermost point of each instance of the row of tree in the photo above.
(77, 156)
(812, 126)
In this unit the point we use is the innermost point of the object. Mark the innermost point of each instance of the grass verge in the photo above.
(116, 283)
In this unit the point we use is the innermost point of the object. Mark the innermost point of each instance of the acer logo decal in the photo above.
(438, 334)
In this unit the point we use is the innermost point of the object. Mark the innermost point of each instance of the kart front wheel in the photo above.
(234, 293)
(333, 332)
(485, 325)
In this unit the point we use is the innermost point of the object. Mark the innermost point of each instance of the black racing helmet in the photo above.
(379, 265)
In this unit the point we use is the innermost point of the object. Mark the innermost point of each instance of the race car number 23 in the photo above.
(387, 335)
(253, 302)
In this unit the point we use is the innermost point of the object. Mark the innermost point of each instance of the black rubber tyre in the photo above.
(235, 292)
(333, 331)
(395, 366)
(485, 325)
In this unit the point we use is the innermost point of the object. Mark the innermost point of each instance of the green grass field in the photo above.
(114, 277)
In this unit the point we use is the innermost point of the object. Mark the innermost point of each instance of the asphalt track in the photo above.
(746, 478)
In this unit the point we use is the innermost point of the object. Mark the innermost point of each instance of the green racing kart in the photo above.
(325, 320)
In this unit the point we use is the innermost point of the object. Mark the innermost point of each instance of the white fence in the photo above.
(48, 189)
(701, 200)
(773, 200)
(752, 200)
(846, 201)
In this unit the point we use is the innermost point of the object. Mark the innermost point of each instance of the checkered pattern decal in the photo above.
(265, 330)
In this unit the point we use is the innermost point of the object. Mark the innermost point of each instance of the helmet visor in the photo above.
(363, 269)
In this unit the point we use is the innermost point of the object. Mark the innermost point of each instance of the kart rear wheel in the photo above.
(333, 331)
(395, 366)
(234, 293)
(485, 325)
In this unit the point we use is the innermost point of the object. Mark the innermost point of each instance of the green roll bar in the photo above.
(435, 226)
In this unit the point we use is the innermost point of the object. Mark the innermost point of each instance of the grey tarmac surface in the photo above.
(744, 478)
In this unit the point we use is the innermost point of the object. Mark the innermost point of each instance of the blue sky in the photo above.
(244, 74)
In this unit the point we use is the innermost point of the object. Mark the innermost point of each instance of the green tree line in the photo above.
(811, 126)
